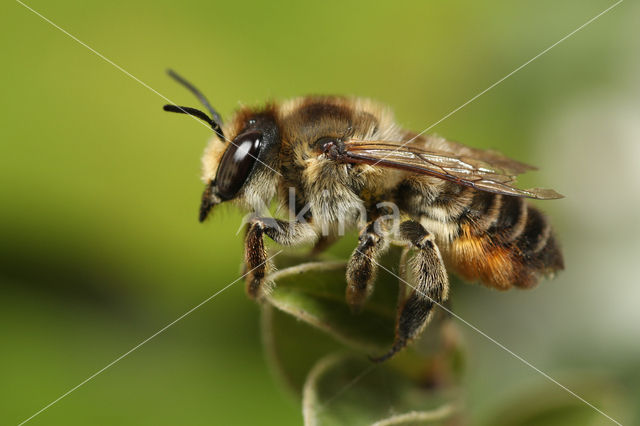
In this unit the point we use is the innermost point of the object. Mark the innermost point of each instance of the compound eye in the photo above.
(236, 164)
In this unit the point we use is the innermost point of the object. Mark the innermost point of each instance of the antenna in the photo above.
(215, 121)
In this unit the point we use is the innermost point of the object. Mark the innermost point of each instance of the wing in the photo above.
(482, 170)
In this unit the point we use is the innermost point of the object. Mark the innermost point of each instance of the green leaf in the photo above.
(292, 347)
(319, 348)
(315, 293)
(346, 389)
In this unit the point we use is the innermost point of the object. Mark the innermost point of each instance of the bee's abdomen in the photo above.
(503, 241)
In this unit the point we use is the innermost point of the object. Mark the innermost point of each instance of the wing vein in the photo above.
(483, 170)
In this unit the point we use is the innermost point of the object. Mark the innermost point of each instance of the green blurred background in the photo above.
(100, 244)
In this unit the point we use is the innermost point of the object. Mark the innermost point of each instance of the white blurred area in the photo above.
(586, 321)
(590, 146)
(588, 149)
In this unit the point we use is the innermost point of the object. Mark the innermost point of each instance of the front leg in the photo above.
(431, 287)
(280, 231)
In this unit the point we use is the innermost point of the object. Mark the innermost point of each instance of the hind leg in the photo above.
(431, 287)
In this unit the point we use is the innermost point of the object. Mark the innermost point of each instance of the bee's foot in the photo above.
(397, 347)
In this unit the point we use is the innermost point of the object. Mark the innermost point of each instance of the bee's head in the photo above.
(235, 166)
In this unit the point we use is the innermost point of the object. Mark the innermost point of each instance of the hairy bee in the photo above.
(332, 160)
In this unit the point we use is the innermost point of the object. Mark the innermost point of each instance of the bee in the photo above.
(336, 159)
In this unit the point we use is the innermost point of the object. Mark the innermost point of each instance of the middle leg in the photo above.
(362, 266)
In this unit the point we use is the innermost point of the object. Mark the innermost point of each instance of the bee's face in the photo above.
(236, 163)
(229, 165)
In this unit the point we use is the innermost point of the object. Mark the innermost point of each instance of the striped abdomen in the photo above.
(500, 240)
(504, 241)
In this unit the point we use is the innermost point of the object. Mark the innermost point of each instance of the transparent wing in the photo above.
(482, 170)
